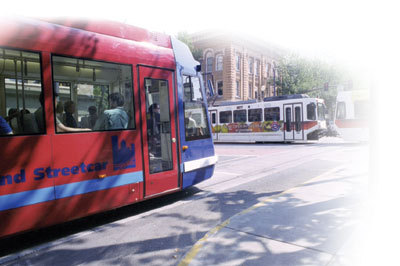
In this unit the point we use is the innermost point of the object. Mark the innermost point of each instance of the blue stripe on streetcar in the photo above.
(21, 199)
(26, 198)
(68, 190)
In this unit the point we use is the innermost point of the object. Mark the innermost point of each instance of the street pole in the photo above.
(274, 82)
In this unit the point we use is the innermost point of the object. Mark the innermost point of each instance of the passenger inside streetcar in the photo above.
(114, 118)
(153, 128)
(69, 108)
(60, 127)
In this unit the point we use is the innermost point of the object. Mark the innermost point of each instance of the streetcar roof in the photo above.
(114, 28)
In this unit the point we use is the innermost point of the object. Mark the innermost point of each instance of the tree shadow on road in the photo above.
(303, 230)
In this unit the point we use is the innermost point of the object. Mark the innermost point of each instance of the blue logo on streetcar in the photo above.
(275, 126)
(123, 157)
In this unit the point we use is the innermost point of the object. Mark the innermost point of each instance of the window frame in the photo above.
(40, 57)
(236, 114)
(311, 116)
(237, 61)
(341, 110)
(297, 118)
(206, 121)
(219, 65)
(257, 67)
(133, 116)
(220, 89)
(272, 111)
(209, 64)
(258, 114)
(320, 111)
(222, 121)
(237, 89)
(251, 65)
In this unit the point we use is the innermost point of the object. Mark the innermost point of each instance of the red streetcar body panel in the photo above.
(20, 171)
(61, 40)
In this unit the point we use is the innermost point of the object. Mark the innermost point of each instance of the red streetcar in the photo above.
(98, 116)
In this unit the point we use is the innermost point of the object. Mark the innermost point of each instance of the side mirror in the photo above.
(198, 68)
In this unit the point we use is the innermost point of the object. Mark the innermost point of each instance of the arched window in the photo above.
(209, 61)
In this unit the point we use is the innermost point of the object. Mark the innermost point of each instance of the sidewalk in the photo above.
(311, 224)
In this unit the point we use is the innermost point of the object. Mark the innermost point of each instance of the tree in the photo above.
(298, 75)
(185, 37)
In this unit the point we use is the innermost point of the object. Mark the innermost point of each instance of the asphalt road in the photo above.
(161, 231)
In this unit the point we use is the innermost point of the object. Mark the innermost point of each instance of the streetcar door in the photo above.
(287, 117)
(298, 131)
(158, 130)
(293, 117)
(214, 124)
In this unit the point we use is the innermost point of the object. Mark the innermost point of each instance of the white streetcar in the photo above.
(284, 118)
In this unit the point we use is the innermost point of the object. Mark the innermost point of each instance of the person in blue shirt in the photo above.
(5, 128)
(114, 118)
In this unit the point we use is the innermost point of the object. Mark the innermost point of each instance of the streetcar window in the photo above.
(272, 114)
(225, 117)
(321, 111)
(288, 119)
(311, 115)
(158, 125)
(255, 115)
(196, 120)
(297, 117)
(239, 116)
(213, 118)
(341, 110)
(21, 96)
(92, 94)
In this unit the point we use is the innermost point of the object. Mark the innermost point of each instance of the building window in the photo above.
(257, 67)
(237, 58)
(220, 85)
(250, 90)
(251, 65)
(209, 64)
(219, 62)
(237, 89)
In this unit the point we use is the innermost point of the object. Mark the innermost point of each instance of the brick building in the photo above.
(240, 68)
